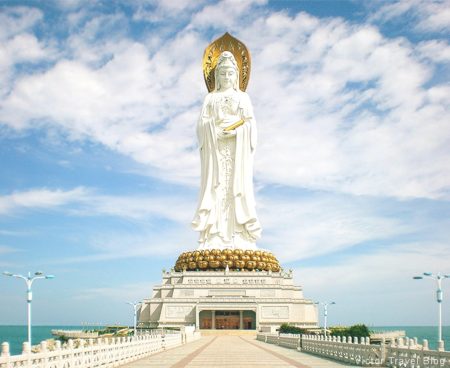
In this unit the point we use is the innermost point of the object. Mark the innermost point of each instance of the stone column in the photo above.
(213, 320)
(197, 319)
(241, 320)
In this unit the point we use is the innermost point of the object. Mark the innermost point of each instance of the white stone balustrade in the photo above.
(405, 352)
(103, 352)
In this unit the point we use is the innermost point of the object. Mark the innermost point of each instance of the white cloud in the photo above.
(4, 249)
(119, 293)
(39, 199)
(436, 50)
(17, 19)
(426, 15)
(302, 228)
(340, 107)
(18, 45)
(160, 11)
(377, 286)
(294, 229)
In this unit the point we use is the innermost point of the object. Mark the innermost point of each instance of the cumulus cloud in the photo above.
(340, 107)
(18, 44)
(17, 19)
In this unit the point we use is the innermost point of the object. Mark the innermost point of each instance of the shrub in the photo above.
(290, 329)
(359, 330)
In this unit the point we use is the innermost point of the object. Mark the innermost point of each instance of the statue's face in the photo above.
(227, 77)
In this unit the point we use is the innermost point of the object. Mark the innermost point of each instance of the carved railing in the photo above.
(405, 353)
(105, 352)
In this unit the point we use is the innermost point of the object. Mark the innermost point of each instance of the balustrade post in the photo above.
(59, 357)
(355, 339)
(383, 350)
(441, 346)
(425, 344)
(70, 348)
(44, 352)
(344, 339)
(43, 346)
(5, 349)
(26, 348)
(400, 342)
(339, 339)
(5, 355)
(407, 341)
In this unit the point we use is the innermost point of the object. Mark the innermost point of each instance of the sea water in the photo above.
(421, 332)
(16, 335)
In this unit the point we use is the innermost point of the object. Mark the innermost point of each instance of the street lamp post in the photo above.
(439, 295)
(29, 281)
(135, 308)
(325, 314)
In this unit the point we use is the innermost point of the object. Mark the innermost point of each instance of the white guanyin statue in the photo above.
(226, 215)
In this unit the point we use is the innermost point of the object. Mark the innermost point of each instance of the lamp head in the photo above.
(6, 273)
(332, 303)
(428, 273)
(49, 276)
(417, 277)
(38, 273)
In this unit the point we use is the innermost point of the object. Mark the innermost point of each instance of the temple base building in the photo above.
(228, 299)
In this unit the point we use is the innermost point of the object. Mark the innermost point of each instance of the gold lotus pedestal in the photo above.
(234, 259)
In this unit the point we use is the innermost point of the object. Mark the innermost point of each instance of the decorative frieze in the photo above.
(271, 312)
(178, 311)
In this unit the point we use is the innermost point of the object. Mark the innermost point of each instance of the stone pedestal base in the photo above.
(228, 300)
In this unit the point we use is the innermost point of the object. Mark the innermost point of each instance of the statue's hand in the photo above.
(223, 134)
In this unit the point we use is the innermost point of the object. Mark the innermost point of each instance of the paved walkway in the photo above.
(231, 351)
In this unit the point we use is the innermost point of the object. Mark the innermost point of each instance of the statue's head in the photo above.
(227, 72)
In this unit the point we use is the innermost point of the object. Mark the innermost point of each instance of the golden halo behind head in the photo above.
(240, 53)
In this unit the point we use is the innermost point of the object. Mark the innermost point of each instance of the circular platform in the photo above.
(235, 259)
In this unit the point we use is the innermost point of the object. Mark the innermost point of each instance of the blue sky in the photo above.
(100, 170)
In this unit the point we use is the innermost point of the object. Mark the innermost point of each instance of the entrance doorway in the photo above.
(227, 320)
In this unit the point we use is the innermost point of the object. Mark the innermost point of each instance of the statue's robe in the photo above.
(242, 228)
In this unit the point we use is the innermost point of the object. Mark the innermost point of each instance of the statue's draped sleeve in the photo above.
(206, 140)
(246, 139)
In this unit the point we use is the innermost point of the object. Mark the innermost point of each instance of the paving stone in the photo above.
(232, 351)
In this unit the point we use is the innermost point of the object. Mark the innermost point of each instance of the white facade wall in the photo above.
(271, 295)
